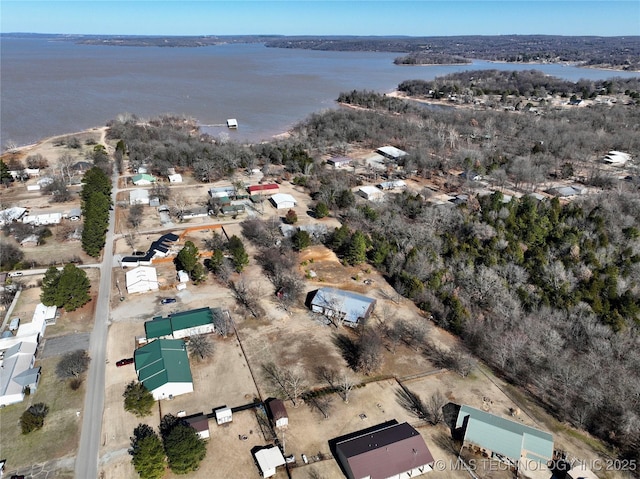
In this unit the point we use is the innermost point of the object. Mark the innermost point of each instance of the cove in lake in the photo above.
(52, 87)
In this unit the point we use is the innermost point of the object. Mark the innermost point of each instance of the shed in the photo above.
(175, 178)
(74, 214)
(139, 197)
(268, 459)
(278, 413)
(391, 152)
(339, 162)
(182, 276)
(370, 193)
(141, 279)
(392, 185)
(223, 415)
(283, 200)
(344, 305)
(200, 423)
(383, 451)
(232, 123)
(31, 240)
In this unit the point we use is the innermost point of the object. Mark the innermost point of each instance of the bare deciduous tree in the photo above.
(247, 297)
(222, 322)
(200, 347)
(73, 364)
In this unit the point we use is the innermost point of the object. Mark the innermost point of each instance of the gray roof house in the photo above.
(343, 305)
(502, 439)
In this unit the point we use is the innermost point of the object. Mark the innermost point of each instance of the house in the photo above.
(391, 152)
(163, 367)
(175, 178)
(223, 415)
(223, 191)
(343, 305)
(139, 197)
(371, 193)
(17, 373)
(232, 123)
(268, 459)
(232, 210)
(42, 316)
(200, 423)
(339, 162)
(159, 248)
(82, 166)
(12, 214)
(382, 451)
(201, 212)
(141, 279)
(143, 179)
(503, 439)
(566, 191)
(277, 413)
(392, 185)
(265, 189)
(470, 175)
(283, 200)
(43, 219)
(182, 324)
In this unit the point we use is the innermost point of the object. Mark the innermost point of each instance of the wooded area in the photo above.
(545, 292)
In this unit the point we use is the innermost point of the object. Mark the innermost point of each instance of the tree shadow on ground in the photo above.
(412, 403)
(348, 348)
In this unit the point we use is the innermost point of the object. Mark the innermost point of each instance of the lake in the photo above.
(53, 87)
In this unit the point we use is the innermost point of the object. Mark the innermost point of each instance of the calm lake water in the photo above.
(49, 88)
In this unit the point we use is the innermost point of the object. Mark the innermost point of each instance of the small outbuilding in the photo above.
(268, 459)
(263, 189)
(339, 162)
(175, 178)
(391, 152)
(232, 123)
(223, 415)
(278, 413)
(200, 423)
(371, 193)
(283, 200)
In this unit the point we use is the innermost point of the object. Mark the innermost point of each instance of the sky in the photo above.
(326, 17)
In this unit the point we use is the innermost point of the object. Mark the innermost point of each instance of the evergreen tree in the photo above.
(148, 454)
(138, 400)
(72, 289)
(321, 210)
(240, 256)
(300, 240)
(48, 296)
(357, 249)
(187, 257)
(184, 448)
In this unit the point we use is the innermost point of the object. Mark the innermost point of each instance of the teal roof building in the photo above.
(163, 367)
(182, 324)
(506, 440)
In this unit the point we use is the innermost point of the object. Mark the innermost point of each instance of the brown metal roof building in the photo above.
(278, 412)
(383, 451)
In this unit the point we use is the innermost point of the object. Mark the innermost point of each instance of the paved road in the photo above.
(87, 459)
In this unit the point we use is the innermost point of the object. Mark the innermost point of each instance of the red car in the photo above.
(124, 362)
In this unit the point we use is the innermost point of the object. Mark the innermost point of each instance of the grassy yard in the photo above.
(59, 436)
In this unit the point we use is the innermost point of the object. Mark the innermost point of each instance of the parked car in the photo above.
(15, 273)
(168, 300)
(124, 362)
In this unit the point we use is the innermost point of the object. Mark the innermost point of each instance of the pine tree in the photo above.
(138, 400)
(148, 454)
(71, 290)
(188, 257)
(357, 249)
(48, 296)
(184, 448)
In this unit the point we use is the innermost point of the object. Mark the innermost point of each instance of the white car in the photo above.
(15, 273)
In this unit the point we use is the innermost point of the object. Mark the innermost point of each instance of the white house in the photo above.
(371, 193)
(42, 316)
(17, 372)
(139, 197)
(142, 279)
(268, 460)
(283, 200)
(175, 178)
(11, 214)
(163, 367)
(339, 162)
(43, 219)
(392, 185)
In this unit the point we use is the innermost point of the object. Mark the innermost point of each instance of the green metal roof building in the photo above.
(163, 367)
(182, 324)
(503, 439)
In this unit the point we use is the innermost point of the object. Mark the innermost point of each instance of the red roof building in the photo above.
(387, 450)
(268, 188)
